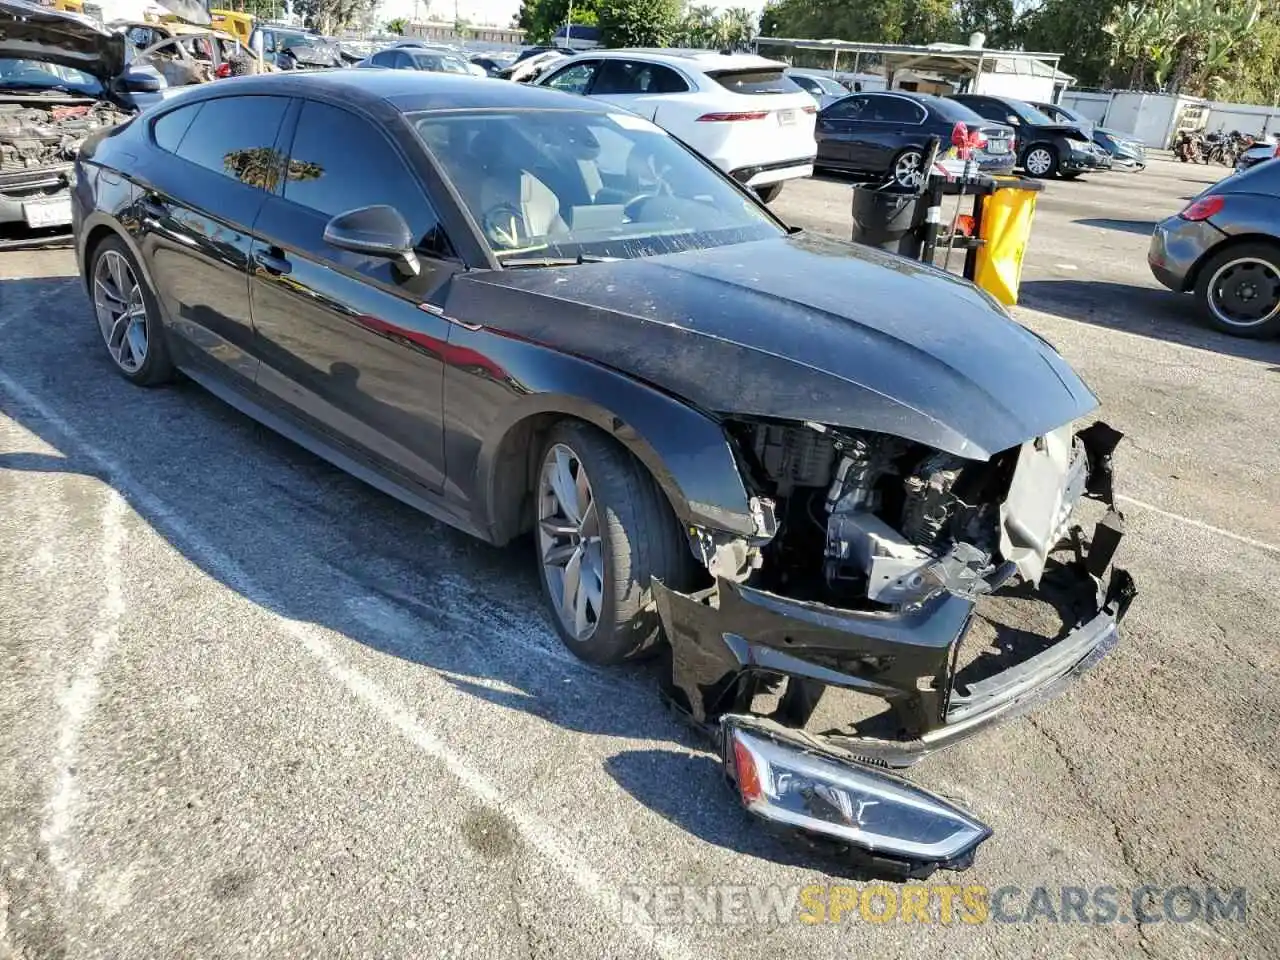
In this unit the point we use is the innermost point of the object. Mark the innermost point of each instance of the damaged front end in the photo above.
(946, 593)
(38, 146)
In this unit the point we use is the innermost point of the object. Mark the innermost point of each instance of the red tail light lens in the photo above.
(1202, 209)
(732, 117)
(223, 71)
(813, 109)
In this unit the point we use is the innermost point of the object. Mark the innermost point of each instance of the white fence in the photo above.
(1155, 118)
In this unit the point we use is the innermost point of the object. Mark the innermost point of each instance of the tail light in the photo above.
(733, 117)
(810, 109)
(1202, 209)
(1276, 151)
(223, 71)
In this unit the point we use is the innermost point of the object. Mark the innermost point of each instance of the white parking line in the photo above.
(544, 838)
(1200, 524)
(78, 699)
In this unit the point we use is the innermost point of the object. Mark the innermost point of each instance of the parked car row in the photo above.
(884, 134)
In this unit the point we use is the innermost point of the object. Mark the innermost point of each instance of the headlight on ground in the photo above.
(790, 784)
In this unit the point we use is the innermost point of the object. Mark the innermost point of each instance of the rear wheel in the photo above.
(1041, 161)
(127, 315)
(908, 169)
(1240, 290)
(769, 192)
(604, 532)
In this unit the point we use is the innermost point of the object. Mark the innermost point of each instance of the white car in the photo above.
(738, 110)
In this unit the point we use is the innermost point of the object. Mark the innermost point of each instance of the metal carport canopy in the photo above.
(941, 58)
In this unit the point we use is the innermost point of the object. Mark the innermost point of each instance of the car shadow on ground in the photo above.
(1143, 227)
(301, 539)
(1159, 314)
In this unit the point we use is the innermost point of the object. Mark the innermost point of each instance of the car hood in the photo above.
(1073, 130)
(799, 328)
(29, 32)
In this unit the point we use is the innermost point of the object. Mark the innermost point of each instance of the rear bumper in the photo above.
(1177, 245)
(760, 174)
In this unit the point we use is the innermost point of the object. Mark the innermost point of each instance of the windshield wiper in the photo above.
(555, 261)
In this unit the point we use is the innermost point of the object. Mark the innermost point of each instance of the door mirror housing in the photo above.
(1014, 119)
(376, 231)
(141, 80)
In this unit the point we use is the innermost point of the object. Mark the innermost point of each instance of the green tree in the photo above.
(638, 23)
(396, 26)
(331, 16)
(540, 19)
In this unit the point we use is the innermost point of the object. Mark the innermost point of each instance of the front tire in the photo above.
(1041, 161)
(604, 531)
(128, 316)
(1239, 290)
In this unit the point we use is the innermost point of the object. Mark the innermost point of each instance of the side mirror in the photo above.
(1014, 119)
(135, 80)
(377, 231)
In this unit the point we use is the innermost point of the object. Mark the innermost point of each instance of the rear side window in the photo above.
(636, 76)
(236, 137)
(755, 81)
(169, 129)
(339, 162)
(893, 110)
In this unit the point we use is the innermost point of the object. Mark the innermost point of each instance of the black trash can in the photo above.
(889, 218)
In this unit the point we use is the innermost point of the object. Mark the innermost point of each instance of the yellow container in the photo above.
(1006, 228)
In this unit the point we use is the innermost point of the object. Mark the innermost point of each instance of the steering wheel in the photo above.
(504, 227)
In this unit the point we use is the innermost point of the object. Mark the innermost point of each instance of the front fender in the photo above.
(497, 384)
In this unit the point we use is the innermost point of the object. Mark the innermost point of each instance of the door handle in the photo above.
(274, 264)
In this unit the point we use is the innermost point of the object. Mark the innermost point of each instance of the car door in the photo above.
(839, 132)
(350, 344)
(636, 85)
(891, 124)
(197, 203)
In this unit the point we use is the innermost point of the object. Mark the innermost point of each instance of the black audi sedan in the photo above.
(884, 135)
(801, 463)
(1046, 148)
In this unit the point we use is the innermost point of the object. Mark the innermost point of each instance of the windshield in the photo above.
(25, 75)
(569, 183)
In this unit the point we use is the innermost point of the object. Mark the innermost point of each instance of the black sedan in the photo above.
(1225, 247)
(801, 462)
(1045, 148)
(884, 135)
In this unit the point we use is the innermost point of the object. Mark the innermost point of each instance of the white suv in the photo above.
(738, 110)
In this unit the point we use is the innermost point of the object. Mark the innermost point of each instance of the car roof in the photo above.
(406, 90)
(704, 60)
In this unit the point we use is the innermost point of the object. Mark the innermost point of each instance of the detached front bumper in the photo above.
(731, 642)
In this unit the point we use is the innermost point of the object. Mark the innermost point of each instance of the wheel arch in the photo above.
(96, 228)
(685, 451)
(1237, 240)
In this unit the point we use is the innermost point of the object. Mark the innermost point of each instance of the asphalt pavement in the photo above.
(252, 708)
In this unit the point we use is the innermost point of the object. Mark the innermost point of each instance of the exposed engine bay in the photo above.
(39, 135)
(868, 521)
(874, 560)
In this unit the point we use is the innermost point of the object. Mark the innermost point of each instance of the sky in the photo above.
(497, 12)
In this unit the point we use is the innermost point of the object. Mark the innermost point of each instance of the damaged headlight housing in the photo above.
(797, 787)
